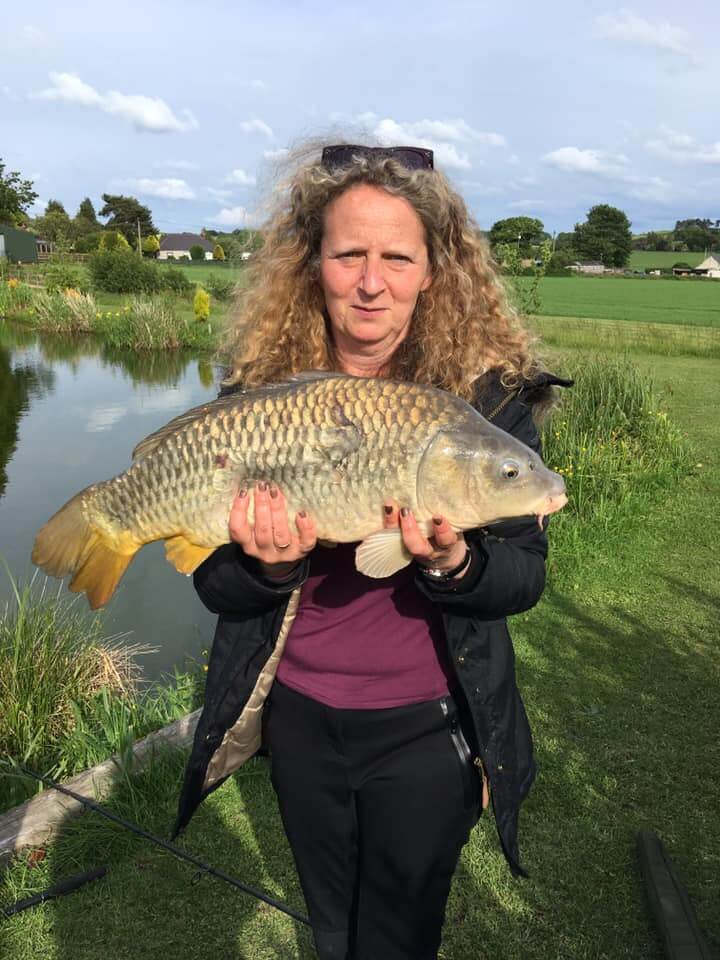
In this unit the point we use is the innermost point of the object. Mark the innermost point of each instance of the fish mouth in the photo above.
(550, 505)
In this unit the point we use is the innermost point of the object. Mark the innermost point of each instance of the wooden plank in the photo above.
(677, 925)
(39, 819)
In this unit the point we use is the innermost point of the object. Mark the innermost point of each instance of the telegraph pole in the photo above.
(139, 239)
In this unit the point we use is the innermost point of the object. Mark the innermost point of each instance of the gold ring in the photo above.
(282, 546)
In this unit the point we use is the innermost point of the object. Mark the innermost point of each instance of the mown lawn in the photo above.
(647, 259)
(694, 302)
(621, 677)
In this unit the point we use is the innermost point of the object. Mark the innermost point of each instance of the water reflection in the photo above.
(71, 411)
(18, 385)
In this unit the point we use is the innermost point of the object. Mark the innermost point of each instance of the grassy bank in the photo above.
(70, 697)
(140, 322)
(619, 670)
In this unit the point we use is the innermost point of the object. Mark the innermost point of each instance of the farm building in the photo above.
(177, 245)
(587, 266)
(17, 245)
(710, 267)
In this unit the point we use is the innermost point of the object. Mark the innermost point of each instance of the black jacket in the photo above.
(506, 576)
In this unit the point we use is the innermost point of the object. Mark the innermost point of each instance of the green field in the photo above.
(201, 272)
(694, 302)
(646, 259)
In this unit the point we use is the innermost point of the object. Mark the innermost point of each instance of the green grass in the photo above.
(647, 259)
(654, 300)
(627, 336)
(619, 669)
(70, 697)
(203, 271)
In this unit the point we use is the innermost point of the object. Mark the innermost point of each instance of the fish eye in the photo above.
(510, 469)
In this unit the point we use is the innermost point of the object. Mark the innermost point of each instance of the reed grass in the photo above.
(617, 450)
(69, 696)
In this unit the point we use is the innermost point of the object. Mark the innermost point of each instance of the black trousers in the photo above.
(377, 805)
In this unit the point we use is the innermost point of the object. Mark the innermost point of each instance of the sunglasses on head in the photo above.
(345, 154)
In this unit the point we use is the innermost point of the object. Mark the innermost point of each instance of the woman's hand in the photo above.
(444, 550)
(269, 539)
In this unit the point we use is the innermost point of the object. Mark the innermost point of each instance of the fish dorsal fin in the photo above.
(153, 440)
(382, 554)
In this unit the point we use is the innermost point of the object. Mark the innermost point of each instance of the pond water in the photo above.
(71, 412)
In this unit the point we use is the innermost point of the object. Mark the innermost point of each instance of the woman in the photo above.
(393, 705)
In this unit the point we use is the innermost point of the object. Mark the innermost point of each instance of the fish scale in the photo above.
(338, 446)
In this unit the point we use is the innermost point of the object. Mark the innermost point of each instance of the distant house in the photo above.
(587, 266)
(177, 245)
(17, 245)
(710, 267)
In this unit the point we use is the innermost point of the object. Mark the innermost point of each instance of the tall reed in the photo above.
(618, 451)
(69, 696)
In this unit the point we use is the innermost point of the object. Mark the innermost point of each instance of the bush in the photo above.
(222, 288)
(151, 246)
(122, 271)
(201, 304)
(89, 243)
(113, 240)
(197, 252)
(175, 281)
(218, 252)
(63, 276)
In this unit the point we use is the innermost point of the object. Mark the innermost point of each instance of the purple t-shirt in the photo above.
(364, 644)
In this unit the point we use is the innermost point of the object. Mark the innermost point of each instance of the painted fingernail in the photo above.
(273, 492)
(404, 511)
(437, 521)
(262, 486)
(242, 493)
(388, 508)
(302, 513)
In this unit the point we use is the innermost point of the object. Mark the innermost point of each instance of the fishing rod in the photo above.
(170, 847)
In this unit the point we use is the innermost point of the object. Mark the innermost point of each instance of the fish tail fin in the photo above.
(70, 543)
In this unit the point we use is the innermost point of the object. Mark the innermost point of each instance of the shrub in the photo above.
(197, 252)
(151, 246)
(113, 240)
(122, 271)
(15, 297)
(63, 276)
(218, 252)
(89, 243)
(201, 304)
(222, 288)
(176, 282)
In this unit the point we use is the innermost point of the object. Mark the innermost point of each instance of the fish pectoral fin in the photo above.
(184, 555)
(382, 554)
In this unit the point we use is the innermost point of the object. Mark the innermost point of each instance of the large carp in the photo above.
(337, 445)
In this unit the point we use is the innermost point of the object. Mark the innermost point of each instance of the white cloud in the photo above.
(681, 148)
(440, 136)
(586, 161)
(145, 113)
(612, 167)
(240, 177)
(8, 92)
(234, 217)
(479, 188)
(275, 154)
(256, 126)
(628, 27)
(168, 187)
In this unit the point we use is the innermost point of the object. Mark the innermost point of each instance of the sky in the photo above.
(532, 109)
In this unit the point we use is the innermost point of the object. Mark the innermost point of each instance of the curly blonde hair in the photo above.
(463, 324)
